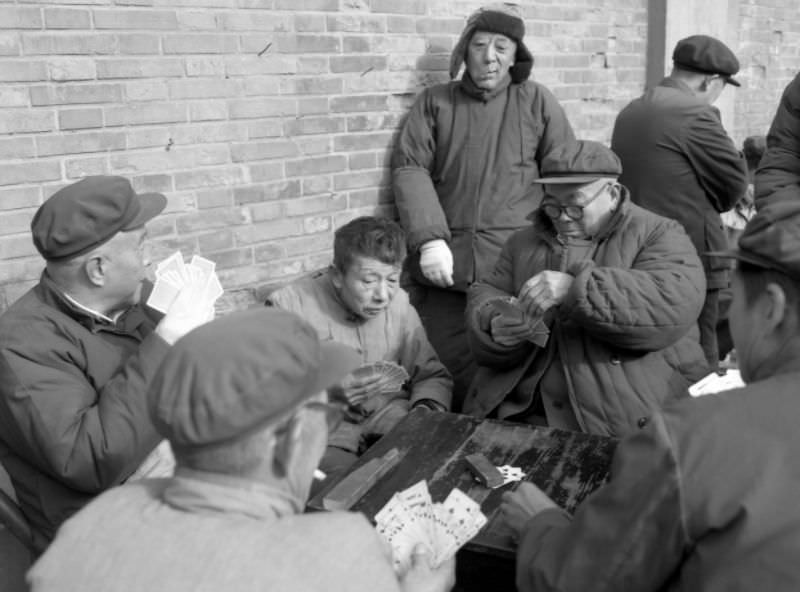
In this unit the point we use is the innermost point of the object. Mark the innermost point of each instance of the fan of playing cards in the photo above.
(411, 518)
(172, 275)
(509, 308)
(392, 376)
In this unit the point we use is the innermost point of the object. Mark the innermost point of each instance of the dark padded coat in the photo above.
(626, 332)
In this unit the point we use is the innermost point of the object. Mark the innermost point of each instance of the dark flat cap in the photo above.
(582, 161)
(772, 238)
(706, 55)
(86, 214)
(240, 372)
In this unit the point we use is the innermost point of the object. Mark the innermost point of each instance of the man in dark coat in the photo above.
(705, 496)
(679, 162)
(463, 172)
(77, 352)
(778, 175)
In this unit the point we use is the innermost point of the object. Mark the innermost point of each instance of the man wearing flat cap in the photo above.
(78, 351)
(679, 162)
(242, 401)
(607, 295)
(463, 173)
(705, 496)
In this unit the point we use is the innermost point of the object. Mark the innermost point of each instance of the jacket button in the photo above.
(642, 421)
(615, 360)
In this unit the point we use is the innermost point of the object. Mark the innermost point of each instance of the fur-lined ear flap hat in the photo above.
(495, 18)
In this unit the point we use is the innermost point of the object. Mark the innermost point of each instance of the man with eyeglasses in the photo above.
(617, 289)
(678, 160)
(243, 404)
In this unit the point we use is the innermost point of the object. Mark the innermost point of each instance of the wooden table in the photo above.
(566, 465)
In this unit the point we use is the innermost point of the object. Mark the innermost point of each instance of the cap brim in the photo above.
(572, 179)
(731, 80)
(150, 206)
(336, 362)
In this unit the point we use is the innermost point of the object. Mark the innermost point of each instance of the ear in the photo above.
(337, 277)
(95, 267)
(775, 313)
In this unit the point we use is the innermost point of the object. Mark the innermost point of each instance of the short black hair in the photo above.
(369, 236)
(755, 278)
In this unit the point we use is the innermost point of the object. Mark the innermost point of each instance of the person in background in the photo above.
(358, 302)
(78, 351)
(610, 294)
(778, 175)
(705, 496)
(678, 160)
(463, 172)
(242, 401)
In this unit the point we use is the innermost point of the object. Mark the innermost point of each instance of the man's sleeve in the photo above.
(428, 377)
(85, 437)
(629, 535)
(778, 174)
(418, 205)
(646, 307)
(720, 167)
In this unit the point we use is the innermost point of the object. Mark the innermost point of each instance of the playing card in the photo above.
(510, 474)
(204, 264)
(173, 263)
(509, 308)
(173, 276)
(391, 376)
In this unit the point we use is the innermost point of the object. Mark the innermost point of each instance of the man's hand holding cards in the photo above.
(510, 325)
(185, 293)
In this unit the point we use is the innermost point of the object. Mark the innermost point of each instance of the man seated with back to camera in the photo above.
(616, 291)
(242, 401)
(358, 302)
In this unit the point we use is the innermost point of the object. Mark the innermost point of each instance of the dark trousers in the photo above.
(707, 323)
(443, 315)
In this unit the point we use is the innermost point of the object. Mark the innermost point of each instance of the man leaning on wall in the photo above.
(463, 172)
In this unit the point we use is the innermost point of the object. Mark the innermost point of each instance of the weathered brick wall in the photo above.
(267, 123)
(769, 50)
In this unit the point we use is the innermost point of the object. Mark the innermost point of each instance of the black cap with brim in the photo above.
(579, 162)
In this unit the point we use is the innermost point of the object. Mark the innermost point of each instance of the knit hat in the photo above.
(495, 18)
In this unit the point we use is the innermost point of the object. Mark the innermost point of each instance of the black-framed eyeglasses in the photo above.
(573, 212)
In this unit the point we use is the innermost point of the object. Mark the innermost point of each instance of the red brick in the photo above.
(16, 221)
(146, 90)
(265, 171)
(247, 65)
(73, 119)
(76, 94)
(260, 212)
(262, 150)
(264, 231)
(14, 96)
(66, 18)
(205, 66)
(312, 65)
(358, 180)
(317, 185)
(286, 189)
(362, 160)
(218, 240)
(138, 43)
(315, 205)
(201, 88)
(359, 103)
(310, 86)
(357, 23)
(310, 243)
(135, 19)
(139, 68)
(269, 252)
(228, 175)
(26, 120)
(9, 44)
(250, 108)
(208, 110)
(68, 43)
(264, 128)
(27, 71)
(401, 24)
(307, 5)
(213, 218)
(232, 258)
(362, 64)
(217, 197)
(20, 197)
(199, 43)
(354, 142)
(313, 125)
(17, 17)
(29, 172)
(301, 43)
(145, 113)
(18, 270)
(262, 85)
(17, 246)
(309, 23)
(197, 21)
(77, 168)
(17, 147)
(315, 166)
(356, 44)
(255, 21)
(312, 106)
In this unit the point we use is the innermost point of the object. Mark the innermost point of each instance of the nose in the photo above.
(490, 54)
(381, 293)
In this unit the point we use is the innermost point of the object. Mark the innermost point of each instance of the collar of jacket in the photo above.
(53, 296)
(472, 90)
(680, 85)
(545, 228)
(200, 492)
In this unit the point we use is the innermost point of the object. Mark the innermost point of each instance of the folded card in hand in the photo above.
(512, 312)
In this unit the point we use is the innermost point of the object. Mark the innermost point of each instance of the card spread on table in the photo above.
(511, 310)
(392, 376)
(411, 518)
(173, 274)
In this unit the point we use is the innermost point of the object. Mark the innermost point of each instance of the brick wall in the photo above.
(267, 123)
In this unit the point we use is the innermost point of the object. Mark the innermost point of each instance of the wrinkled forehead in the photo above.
(369, 265)
(481, 36)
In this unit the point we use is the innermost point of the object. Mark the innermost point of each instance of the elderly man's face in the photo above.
(580, 211)
(128, 257)
(367, 286)
(489, 58)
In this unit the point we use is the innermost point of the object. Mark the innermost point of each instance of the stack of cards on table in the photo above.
(172, 275)
(511, 310)
(392, 376)
(410, 518)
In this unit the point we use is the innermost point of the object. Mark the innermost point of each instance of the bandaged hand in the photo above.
(421, 576)
(436, 263)
(522, 504)
(186, 312)
(544, 291)
(509, 332)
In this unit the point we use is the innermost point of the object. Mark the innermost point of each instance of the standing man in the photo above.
(679, 162)
(77, 352)
(242, 401)
(463, 172)
(705, 496)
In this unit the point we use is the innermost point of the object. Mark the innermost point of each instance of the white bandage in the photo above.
(436, 263)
